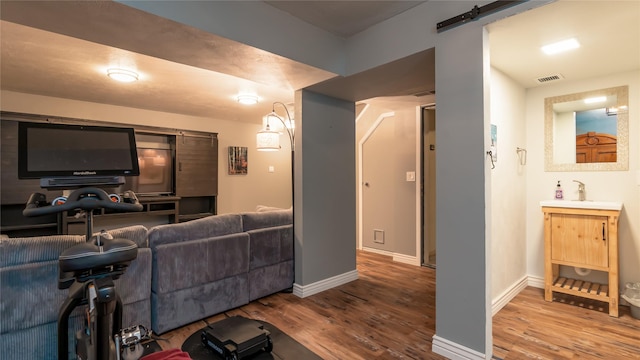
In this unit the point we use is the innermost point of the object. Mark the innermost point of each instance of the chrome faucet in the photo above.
(581, 191)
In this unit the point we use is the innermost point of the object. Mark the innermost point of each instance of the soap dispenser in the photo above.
(559, 195)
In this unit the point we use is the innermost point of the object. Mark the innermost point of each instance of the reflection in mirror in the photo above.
(587, 131)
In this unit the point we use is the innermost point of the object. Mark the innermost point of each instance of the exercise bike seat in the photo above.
(90, 255)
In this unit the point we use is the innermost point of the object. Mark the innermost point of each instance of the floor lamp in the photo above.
(268, 139)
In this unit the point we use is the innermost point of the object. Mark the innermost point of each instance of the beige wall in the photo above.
(235, 192)
(508, 186)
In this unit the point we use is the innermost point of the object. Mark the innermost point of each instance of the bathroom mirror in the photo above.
(587, 131)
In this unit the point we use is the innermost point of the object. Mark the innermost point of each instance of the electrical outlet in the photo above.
(272, 169)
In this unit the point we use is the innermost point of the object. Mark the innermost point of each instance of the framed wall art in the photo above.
(238, 162)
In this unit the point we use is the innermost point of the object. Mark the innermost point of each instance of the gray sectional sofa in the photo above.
(210, 265)
(184, 272)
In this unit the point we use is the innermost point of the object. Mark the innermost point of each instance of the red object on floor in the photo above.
(172, 354)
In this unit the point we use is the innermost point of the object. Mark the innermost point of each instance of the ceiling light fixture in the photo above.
(247, 99)
(594, 100)
(122, 75)
(560, 46)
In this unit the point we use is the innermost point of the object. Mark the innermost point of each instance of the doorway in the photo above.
(428, 186)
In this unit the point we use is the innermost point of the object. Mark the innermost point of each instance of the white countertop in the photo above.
(587, 204)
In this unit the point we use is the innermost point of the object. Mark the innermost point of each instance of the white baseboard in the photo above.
(406, 259)
(401, 258)
(454, 351)
(377, 251)
(536, 281)
(326, 284)
(503, 299)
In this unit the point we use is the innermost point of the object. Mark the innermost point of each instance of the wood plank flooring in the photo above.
(389, 313)
(567, 328)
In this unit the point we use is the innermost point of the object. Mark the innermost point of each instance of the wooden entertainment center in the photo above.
(193, 185)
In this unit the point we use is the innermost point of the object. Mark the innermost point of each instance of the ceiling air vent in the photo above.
(549, 78)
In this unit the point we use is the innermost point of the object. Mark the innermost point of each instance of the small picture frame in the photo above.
(494, 143)
(238, 160)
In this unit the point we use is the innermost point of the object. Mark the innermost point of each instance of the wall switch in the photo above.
(272, 169)
(411, 176)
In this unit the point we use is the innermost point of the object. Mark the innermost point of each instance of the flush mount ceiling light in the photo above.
(122, 75)
(247, 99)
(594, 100)
(560, 46)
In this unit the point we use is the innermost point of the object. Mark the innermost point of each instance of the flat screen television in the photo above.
(155, 159)
(69, 156)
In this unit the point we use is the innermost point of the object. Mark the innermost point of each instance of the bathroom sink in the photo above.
(587, 204)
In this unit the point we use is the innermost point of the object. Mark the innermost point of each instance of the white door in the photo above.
(377, 188)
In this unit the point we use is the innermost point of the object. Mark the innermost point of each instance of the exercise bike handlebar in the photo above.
(88, 198)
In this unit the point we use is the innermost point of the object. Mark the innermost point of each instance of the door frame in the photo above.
(422, 150)
(412, 260)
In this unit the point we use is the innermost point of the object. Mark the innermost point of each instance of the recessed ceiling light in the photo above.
(247, 99)
(122, 75)
(593, 100)
(561, 46)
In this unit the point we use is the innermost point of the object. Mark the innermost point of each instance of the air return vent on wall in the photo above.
(549, 78)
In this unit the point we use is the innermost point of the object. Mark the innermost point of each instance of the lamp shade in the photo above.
(277, 123)
(267, 140)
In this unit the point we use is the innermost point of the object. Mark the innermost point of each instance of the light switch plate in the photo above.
(272, 169)
(411, 176)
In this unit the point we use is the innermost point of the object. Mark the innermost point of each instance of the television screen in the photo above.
(156, 170)
(47, 150)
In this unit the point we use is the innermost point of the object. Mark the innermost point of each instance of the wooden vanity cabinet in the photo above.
(582, 238)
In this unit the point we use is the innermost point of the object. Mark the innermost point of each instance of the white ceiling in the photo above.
(608, 31)
(46, 49)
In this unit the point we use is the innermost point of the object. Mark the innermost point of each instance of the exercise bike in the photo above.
(88, 270)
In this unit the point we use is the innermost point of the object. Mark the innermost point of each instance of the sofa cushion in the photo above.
(263, 208)
(136, 233)
(19, 251)
(30, 295)
(178, 308)
(193, 263)
(135, 284)
(259, 220)
(208, 227)
(270, 246)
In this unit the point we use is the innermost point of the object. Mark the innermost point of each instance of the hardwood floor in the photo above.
(389, 313)
(568, 328)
